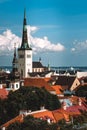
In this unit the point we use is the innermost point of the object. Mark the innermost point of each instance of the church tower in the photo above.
(24, 53)
(15, 61)
(14, 75)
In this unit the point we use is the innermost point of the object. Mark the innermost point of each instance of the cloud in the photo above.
(8, 39)
(79, 46)
(42, 44)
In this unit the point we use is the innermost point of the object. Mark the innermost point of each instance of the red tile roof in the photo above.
(45, 115)
(75, 110)
(37, 82)
(54, 116)
(47, 79)
(3, 93)
(61, 114)
(58, 89)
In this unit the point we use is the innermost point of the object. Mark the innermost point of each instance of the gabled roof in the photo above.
(55, 115)
(46, 114)
(65, 81)
(39, 74)
(37, 64)
(47, 79)
(37, 82)
(58, 89)
(3, 93)
(75, 110)
(61, 114)
(74, 104)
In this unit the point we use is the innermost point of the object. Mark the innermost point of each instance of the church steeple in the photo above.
(15, 74)
(15, 61)
(25, 44)
(24, 53)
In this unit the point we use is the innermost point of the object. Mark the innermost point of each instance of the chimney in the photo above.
(79, 102)
(48, 120)
(42, 108)
(64, 105)
(3, 128)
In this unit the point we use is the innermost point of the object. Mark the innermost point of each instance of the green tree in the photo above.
(14, 126)
(52, 101)
(27, 98)
(53, 126)
(31, 123)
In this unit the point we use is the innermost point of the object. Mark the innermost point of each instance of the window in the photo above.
(16, 85)
(12, 86)
(21, 56)
(28, 56)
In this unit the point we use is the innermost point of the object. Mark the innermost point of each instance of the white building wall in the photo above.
(21, 62)
(75, 84)
(28, 62)
(81, 74)
(25, 62)
(15, 85)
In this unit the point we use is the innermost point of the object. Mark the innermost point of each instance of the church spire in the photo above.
(15, 61)
(24, 44)
(24, 13)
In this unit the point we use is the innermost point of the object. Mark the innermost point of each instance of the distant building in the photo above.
(38, 67)
(68, 82)
(81, 74)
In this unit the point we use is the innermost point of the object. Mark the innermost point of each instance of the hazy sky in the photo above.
(57, 30)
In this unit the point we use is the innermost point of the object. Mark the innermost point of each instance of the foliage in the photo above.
(31, 123)
(82, 91)
(53, 126)
(14, 126)
(34, 124)
(26, 98)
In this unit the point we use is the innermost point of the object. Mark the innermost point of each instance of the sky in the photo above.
(57, 30)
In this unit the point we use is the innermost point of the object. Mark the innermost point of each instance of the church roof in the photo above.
(37, 64)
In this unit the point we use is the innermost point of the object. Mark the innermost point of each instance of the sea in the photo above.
(60, 68)
(76, 68)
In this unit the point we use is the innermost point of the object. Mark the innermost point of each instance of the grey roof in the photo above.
(40, 74)
(37, 64)
(65, 81)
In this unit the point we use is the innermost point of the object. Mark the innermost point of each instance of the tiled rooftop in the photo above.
(3, 93)
(37, 82)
